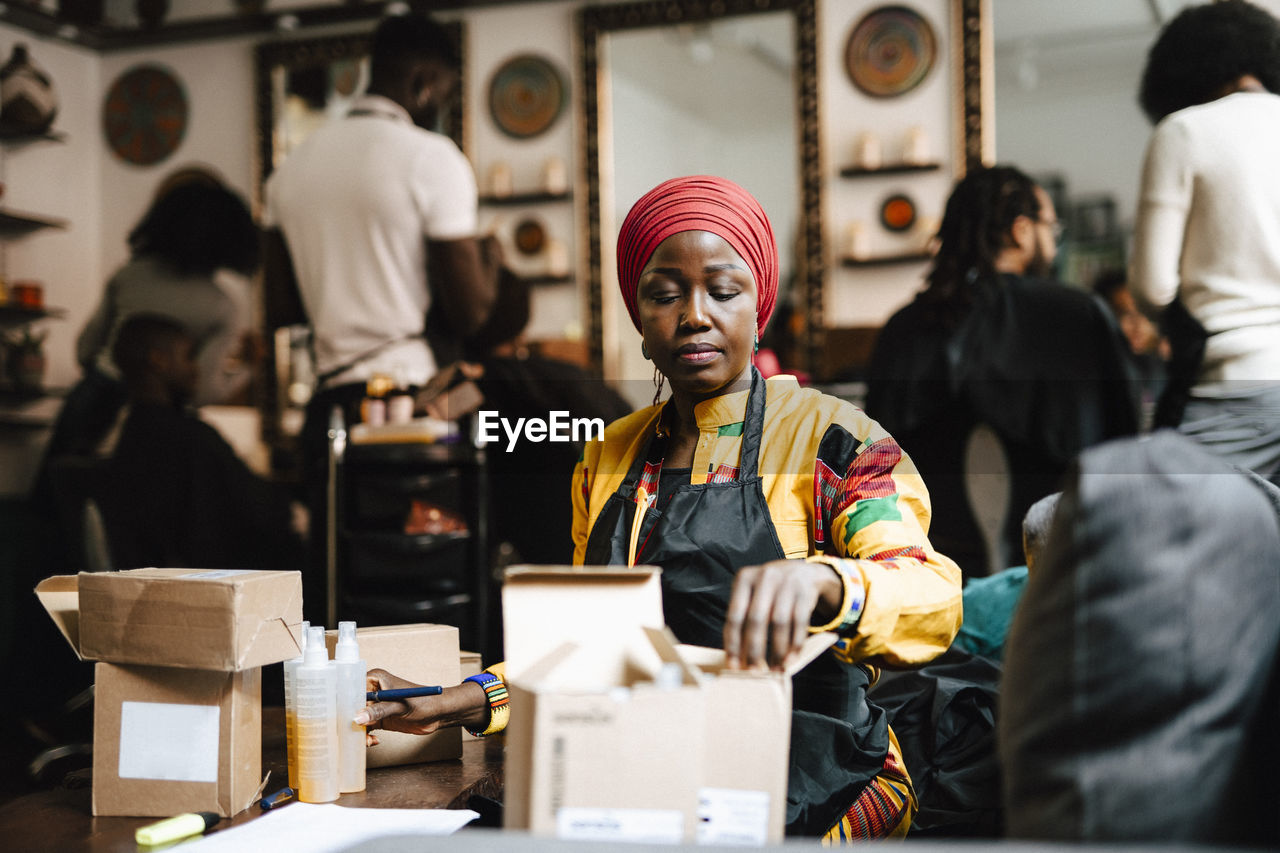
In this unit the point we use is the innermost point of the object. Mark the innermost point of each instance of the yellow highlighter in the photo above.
(642, 507)
(174, 828)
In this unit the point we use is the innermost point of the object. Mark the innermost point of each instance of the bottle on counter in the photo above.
(399, 400)
(351, 689)
(317, 727)
(291, 708)
(373, 409)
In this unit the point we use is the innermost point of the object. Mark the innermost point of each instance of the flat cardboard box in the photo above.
(168, 741)
(216, 620)
(619, 734)
(423, 654)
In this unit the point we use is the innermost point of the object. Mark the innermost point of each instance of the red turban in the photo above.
(699, 203)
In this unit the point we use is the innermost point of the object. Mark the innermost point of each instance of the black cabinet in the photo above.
(390, 573)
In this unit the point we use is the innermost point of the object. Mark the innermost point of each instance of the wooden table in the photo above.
(60, 820)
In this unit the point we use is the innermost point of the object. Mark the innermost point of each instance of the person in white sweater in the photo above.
(1206, 252)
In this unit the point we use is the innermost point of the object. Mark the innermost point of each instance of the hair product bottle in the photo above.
(351, 684)
(291, 708)
(317, 726)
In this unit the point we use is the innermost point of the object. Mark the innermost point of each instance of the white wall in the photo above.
(493, 36)
(63, 181)
(867, 296)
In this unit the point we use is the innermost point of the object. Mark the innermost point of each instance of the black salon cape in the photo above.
(1041, 363)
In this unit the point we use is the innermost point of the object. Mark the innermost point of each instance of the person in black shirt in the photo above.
(181, 497)
(993, 340)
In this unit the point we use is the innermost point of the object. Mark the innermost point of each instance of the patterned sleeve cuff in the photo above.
(495, 690)
(854, 597)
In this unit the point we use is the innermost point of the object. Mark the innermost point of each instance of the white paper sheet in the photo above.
(327, 828)
(162, 740)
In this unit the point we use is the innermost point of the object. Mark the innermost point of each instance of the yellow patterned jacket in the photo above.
(836, 484)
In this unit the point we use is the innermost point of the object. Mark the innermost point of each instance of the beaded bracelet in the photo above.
(495, 690)
(852, 601)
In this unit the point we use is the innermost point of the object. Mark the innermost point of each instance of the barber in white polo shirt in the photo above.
(358, 212)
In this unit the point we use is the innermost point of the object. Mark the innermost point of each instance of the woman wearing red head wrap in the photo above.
(774, 511)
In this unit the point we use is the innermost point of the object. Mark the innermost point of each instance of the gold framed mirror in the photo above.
(776, 34)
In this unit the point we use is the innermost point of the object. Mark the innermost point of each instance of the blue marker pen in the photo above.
(401, 693)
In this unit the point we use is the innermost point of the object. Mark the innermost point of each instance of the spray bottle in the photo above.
(317, 727)
(351, 684)
(291, 708)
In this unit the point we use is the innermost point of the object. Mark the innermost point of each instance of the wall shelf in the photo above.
(16, 315)
(887, 260)
(516, 199)
(14, 223)
(10, 138)
(889, 169)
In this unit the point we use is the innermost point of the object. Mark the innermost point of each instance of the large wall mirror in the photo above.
(301, 84)
(678, 87)
(1066, 111)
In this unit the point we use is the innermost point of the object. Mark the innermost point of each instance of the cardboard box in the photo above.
(423, 654)
(619, 734)
(184, 734)
(222, 620)
(168, 741)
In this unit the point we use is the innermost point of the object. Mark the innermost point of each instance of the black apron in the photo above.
(700, 538)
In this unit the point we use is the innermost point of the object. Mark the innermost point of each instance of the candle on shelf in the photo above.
(855, 239)
(555, 176)
(867, 151)
(915, 146)
(500, 179)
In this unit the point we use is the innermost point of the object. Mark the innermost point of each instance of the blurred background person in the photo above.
(1206, 252)
(993, 341)
(180, 496)
(192, 230)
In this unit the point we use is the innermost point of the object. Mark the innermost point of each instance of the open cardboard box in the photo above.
(179, 729)
(423, 654)
(617, 733)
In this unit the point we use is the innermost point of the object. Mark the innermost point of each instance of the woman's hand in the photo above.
(771, 609)
(465, 704)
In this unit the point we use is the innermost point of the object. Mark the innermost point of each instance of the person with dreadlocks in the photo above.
(993, 340)
(774, 511)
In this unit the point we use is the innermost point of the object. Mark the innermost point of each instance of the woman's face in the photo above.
(697, 305)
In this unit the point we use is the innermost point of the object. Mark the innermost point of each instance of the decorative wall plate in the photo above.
(526, 95)
(890, 51)
(898, 213)
(144, 115)
(530, 236)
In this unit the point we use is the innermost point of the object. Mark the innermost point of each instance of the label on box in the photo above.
(651, 826)
(161, 740)
(733, 817)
